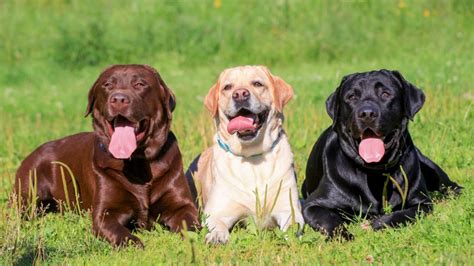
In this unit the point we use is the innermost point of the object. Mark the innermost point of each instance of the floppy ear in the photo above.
(211, 100)
(91, 100)
(413, 98)
(282, 93)
(332, 105)
(169, 100)
(91, 97)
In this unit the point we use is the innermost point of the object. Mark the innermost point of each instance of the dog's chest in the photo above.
(244, 178)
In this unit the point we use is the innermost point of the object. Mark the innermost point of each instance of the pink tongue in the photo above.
(240, 123)
(371, 150)
(123, 142)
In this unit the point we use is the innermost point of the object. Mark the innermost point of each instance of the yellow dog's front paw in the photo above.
(217, 237)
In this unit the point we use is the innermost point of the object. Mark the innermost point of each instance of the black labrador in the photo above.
(366, 163)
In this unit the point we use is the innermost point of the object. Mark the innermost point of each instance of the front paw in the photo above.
(217, 237)
(129, 240)
(380, 223)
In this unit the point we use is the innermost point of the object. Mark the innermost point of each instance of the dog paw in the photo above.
(217, 237)
(379, 224)
(130, 240)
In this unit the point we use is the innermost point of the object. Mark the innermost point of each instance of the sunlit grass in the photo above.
(310, 44)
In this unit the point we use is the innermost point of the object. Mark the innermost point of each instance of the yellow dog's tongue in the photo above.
(371, 150)
(241, 123)
(123, 142)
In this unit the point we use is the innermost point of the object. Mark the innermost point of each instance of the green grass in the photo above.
(52, 51)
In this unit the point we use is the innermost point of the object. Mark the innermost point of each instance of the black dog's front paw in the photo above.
(379, 223)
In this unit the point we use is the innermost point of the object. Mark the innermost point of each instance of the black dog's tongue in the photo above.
(371, 149)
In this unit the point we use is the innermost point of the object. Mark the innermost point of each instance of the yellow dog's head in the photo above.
(247, 104)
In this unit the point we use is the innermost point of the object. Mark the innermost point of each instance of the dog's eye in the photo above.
(108, 85)
(385, 94)
(257, 84)
(352, 97)
(140, 84)
(227, 87)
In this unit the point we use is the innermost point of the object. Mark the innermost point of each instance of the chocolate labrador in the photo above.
(366, 163)
(128, 171)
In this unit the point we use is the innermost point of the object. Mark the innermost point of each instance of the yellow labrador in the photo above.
(249, 170)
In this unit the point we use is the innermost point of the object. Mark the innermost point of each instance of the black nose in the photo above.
(367, 114)
(241, 95)
(119, 100)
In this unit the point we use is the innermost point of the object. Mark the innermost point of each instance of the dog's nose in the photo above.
(367, 114)
(241, 95)
(119, 100)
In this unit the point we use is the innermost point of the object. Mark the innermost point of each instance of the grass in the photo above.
(52, 51)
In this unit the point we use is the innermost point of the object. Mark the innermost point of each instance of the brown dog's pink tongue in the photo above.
(240, 123)
(371, 150)
(123, 142)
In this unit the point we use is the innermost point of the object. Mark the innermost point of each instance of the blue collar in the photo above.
(226, 147)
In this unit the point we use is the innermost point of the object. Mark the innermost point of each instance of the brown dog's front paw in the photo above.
(129, 240)
(179, 222)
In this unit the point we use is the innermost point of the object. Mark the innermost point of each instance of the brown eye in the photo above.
(227, 87)
(385, 94)
(139, 84)
(257, 84)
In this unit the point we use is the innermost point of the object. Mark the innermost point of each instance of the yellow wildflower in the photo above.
(401, 4)
(426, 13)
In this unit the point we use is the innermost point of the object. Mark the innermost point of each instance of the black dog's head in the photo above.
(370, 112)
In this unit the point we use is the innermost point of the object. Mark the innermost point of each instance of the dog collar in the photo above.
(227, 148)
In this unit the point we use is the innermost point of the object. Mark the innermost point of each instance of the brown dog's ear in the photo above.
(413, 97)
(212, 98)
(168, 99)
(90, 103)
(91, 97)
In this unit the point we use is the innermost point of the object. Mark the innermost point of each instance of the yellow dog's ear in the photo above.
(281, 91)
(211, 100)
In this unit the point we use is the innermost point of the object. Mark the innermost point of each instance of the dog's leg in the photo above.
(400, 217)
(436, 179)
(219, 227)
(326, 221)
(222, 214)
(183, 211)
(110, 225)
(287, 209)
(285, 219)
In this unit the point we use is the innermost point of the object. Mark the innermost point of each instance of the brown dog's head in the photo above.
(132, 109)
(247, 104)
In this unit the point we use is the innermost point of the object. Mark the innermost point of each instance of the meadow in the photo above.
(51, 52)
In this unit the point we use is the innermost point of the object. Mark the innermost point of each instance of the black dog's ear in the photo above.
(332, 105)
(413, 97)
